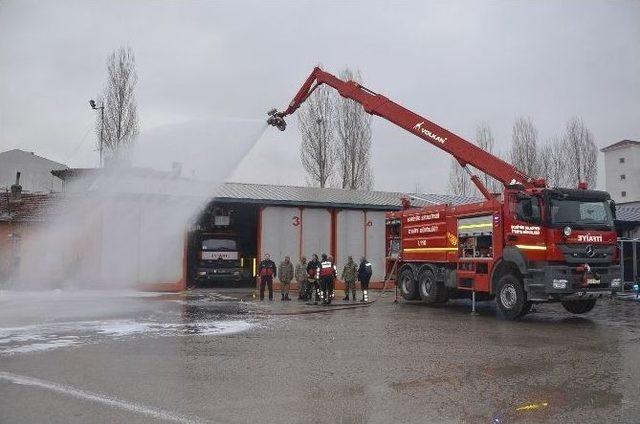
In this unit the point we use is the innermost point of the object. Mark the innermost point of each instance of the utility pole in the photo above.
(93, 105)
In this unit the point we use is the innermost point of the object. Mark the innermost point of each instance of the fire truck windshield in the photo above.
(580, 213)
(219, 244)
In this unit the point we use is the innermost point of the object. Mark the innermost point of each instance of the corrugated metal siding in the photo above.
(376, 244)
(350, 236)
(280, 236)
(316, 231)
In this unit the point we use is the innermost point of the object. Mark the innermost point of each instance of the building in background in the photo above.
(147, 228)
(35, 172)
(622, 171)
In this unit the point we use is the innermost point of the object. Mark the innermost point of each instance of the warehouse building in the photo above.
(300, 221)
(152, 229)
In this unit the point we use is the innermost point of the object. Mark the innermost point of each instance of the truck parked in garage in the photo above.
(219, 258)
(528, 244)
(217, 247)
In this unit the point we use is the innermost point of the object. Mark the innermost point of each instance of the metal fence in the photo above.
(630, 260)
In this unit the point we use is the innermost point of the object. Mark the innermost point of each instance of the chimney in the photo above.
(16, 189)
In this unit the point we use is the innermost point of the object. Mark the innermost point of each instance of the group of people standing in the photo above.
(316, 278)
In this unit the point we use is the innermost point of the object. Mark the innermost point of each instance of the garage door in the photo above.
(376, 243)
(350, 236)
(316, 231)
(280, 233)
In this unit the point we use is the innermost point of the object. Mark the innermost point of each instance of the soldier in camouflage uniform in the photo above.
(301, 278)
(349, 275)
(286, 275)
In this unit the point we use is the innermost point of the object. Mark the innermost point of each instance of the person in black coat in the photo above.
(312, 272)
(364, 275)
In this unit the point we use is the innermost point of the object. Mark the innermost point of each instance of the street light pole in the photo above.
(93, 105)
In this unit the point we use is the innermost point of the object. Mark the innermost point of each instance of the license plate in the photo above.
(592, 281)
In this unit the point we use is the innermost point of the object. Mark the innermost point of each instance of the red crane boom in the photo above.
(464, 151)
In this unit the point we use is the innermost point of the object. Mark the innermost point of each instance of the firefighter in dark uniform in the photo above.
(326, 274)
(267, 272)
(364, 275)
(312, 282)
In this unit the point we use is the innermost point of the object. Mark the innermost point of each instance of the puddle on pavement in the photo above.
(56, 321)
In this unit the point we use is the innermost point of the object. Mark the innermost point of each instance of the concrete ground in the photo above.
(218, 356)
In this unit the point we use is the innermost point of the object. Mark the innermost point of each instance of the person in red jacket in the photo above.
(326, 274)
(267, 272)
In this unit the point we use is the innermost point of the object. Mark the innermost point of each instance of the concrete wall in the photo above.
(630, 169)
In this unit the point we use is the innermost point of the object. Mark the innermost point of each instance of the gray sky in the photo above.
(456, 63)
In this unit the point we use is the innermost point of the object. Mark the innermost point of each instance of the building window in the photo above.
(623, 194)
(621, 160)
(623, 177)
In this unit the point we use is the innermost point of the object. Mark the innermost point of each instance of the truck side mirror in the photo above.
(612, 205)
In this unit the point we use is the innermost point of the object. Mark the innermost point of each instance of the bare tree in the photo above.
(353, 149)
(580, 153)
(485, 140)
(459, 181)
(119, 100)
(318, 150)
(524, 146)
(551, 162)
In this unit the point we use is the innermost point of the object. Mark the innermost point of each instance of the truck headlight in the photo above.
(559, 284)
(615, 282)
(567, 231)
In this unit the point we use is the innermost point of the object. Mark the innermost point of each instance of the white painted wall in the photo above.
(350, 236)
(316, 231)
(376, 243)
(280, 233)
(630, 169)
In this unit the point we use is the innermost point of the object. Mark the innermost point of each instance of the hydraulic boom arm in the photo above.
(465, 152)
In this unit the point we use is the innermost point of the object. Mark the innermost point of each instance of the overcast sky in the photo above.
(456, 63)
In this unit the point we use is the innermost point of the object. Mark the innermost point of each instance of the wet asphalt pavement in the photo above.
(208, 357)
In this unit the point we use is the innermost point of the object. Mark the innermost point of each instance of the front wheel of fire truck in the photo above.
(407, 284)
(510, 297)
(579, 306)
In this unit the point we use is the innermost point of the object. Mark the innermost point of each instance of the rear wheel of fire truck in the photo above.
(407, 284)
(430, 290)
(579, 306)
(510, 296)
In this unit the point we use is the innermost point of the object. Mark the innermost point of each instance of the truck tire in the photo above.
(510, 296)
(430, 290)
(579, 306)
(407, 284)
(526, 309)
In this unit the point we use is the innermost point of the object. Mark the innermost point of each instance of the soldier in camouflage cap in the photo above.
(349, 275)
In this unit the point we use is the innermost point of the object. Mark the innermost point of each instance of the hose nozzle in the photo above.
(276, 120)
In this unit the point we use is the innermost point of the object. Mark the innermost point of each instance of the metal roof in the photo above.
(621, 143)
(326, 197)
(628, 213)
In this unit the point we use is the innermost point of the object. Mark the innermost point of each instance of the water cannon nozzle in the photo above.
(276, 120)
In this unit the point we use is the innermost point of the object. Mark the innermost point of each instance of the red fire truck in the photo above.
(529, 244)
